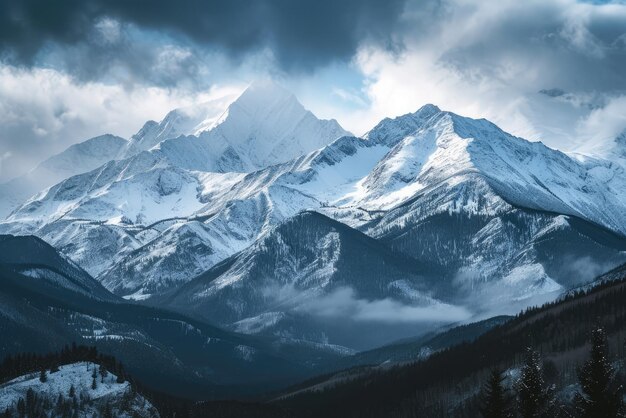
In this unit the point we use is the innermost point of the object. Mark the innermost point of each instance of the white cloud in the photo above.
(476, 58)
(486, 59)
(3, 157)
(109, 30)
(600, 127)
(343, 303)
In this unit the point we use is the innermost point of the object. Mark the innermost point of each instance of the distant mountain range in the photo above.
(253, 214)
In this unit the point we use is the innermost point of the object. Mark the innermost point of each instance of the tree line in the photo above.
(20, 364)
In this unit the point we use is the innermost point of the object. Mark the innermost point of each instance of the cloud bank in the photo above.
(547, 70)
(344, 304)
(301, 34)
(486, 59)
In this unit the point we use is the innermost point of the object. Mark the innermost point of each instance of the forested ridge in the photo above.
(451, 382)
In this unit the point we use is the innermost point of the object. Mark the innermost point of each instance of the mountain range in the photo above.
(262, 219)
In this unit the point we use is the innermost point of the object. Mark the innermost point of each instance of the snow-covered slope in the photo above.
(53, 396)
(191, 120)
(267, 125)
(448, 147)
(78, 158)
(611, 149)
(300, 270)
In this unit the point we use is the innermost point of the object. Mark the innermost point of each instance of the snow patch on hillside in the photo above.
(78, 375)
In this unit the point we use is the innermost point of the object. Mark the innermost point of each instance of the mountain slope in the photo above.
(267, 125)
(448, 147)
(118, 398)
(190, 120)
(78, 158)
(611, 149)
(311, 269)
(164, 183)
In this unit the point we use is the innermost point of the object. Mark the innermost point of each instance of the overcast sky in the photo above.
(549, 70)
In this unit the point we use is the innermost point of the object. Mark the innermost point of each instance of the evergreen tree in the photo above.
(43, 377)
(600, 395)
(94, 384)
(496, 401)
(72, 391)
(534, 399)
(21, 407)
(103, 372)
(120, 375)
(550, 372)
(107, 412)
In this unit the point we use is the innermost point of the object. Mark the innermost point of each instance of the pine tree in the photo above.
(103, 372)
(120, 375)
(108, 412)
(495, 398)
(600, 395)
(21, 407)
(43, 377)
(72, 391)
(94, 384)
(534, 399)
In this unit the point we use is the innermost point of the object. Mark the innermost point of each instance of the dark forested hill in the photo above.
(448, 382)
(47, 302)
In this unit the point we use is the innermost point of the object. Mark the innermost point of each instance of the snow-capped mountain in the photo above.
(311, 265)
(494, 214)
(165, 182)
(76, 159)
(267, 125)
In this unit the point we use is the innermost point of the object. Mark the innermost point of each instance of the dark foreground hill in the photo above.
(47, 302)
(448, 382)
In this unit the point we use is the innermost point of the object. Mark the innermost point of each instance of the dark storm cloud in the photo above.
(301, 34)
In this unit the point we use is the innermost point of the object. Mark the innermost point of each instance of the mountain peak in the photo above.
(267, 125)
(390, 131)
(266, 88)
(265, 96)
(428, 109)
